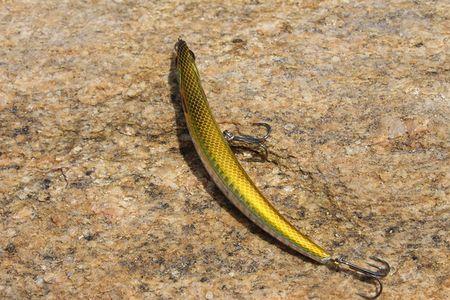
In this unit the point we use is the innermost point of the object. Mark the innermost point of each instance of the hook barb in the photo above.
(374, 275)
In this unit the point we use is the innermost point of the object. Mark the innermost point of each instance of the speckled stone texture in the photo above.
(103, 196)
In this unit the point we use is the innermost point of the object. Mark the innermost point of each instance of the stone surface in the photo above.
(102, 194)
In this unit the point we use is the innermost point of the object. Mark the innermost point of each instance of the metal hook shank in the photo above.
(379, 273)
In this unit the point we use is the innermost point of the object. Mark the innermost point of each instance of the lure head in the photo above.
(184, 55)
(186, 70)
(185, 63)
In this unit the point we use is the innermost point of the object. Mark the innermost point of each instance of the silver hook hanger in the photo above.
(249, 139)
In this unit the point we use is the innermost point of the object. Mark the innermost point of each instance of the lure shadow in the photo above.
(189, 154)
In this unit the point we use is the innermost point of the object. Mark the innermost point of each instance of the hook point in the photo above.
(379, 289)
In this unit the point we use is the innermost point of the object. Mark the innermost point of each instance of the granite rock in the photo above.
(103, 196)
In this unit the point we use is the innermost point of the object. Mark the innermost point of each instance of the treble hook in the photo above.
(374, 275)
(259, 141)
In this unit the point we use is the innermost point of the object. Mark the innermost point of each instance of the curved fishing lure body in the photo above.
(223, 166)
(226, 171)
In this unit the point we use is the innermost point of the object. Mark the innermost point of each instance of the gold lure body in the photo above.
(223, 166)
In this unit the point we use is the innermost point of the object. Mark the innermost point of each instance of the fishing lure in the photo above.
(212, 145)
